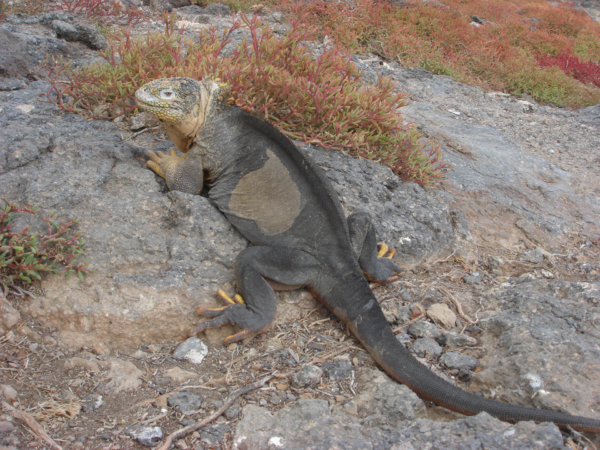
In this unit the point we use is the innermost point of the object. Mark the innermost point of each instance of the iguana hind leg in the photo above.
(290, 267)
(376, 264)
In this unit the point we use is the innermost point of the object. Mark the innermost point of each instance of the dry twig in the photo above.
(191, 428)
(457, 304)
(28, 420)
(244, 390)
(445, 259)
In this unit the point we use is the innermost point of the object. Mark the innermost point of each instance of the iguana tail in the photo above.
(361, 312)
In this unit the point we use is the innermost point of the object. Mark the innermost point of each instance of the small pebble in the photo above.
(337, 370)
(308, 376)
(457, 361)
(426, 348)
(9, 393)
(233, 412)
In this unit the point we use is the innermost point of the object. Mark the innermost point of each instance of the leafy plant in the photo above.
(24, 256)
(106, 12)
(320, 99)
(21, 6)
(480, 42)
(586, 72)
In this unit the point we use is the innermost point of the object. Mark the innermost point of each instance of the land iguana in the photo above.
(284, 205)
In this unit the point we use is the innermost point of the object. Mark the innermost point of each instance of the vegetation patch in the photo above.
(24, 255)
(318, 99)
(498, 45)
(584, 71)
(100, 12)
(105, 12)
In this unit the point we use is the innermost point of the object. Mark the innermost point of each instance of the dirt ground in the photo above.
(53, 383)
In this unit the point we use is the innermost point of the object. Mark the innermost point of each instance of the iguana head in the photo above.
(181, 104)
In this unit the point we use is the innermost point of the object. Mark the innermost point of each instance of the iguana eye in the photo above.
(167, 94)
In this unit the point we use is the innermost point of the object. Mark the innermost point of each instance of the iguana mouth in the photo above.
(154, 104)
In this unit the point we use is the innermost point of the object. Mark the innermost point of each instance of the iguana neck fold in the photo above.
(183, 133)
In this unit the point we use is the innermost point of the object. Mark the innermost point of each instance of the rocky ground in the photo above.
(501, 294)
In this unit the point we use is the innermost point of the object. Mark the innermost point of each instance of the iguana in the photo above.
(284, 205)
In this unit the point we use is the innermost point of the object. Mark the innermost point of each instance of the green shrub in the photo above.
(24, 256)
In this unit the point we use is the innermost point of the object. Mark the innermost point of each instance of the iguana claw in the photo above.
(221, 317)
(159, 161)
(385, 252)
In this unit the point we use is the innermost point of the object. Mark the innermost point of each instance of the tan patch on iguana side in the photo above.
(268, 196)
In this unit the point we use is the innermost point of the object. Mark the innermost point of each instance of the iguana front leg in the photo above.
(253, 266)
(182, 173)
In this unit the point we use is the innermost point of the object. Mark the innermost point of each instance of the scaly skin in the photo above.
(279, 199)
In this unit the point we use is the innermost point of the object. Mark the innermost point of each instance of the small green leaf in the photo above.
(25, 278)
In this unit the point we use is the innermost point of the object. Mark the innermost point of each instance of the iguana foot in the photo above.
(215, 312)
(159, 162)
(384, 260)
(236, 313)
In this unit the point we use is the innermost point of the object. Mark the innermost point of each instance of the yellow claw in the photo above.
(208, 311)
(383, 249)
(225, 297)
(237, 298)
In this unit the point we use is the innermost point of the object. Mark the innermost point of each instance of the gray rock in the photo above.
(180, 3)
(458, 361)
(232, 412)
(6, 427)
(13, 55)
(190, 10)
(309, 424)
(214, 434)
(474, 278)
(74, 28)
(426, 348)
(8, 393)
(192, 350)
(533, 256)
(12, 84)
(455, 340)
(308, 376)
(138, 121)
(543, 328)
(486, 150)
(92, 402)
(424, 329)
(386, 402)
(217, 9)
(185, 402)
(404, 339)
(147, 436)
(337, 370)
